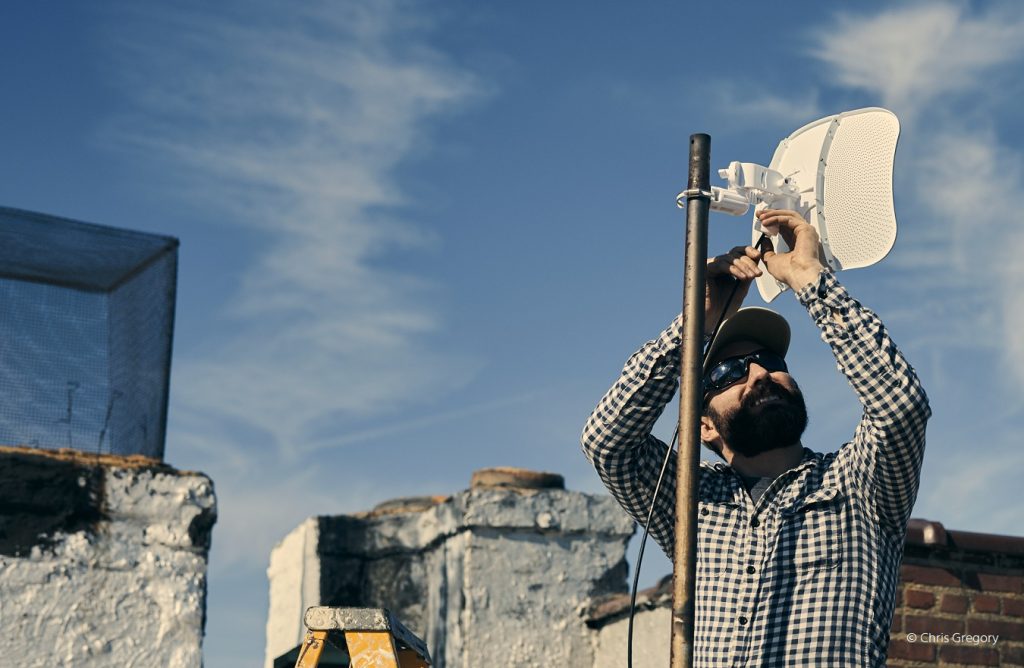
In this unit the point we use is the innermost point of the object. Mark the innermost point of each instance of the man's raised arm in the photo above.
(884, 458)
(617, 437)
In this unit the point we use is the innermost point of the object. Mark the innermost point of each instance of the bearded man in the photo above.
(798, 552)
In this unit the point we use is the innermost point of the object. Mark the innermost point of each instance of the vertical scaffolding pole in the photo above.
(684, 562)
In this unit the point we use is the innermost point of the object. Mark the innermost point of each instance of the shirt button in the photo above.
(755, 523)
(742, 621)
(751, 570)
(705, 512)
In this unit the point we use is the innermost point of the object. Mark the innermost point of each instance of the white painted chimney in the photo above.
(497, 575)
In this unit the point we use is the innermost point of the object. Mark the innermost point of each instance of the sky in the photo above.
(421, 238)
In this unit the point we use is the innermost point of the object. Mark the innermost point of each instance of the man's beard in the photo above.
(750, 432)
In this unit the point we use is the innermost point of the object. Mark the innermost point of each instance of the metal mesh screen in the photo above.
(86, 320)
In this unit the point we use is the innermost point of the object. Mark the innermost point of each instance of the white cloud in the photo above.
(291, 123)
(957, 296)
(288, 121)
(751, 105)
(987, 174)
(936, 64)
(914, 54)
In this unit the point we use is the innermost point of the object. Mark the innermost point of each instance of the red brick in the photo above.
(954, 603)
(1014, 607)
(897, 623)
(1007, 631)
(992, 582)
(913, 651)
(899, 595)
(921, 624)
(920, 599)
(986, 603)
(929, 575)
(1011, 655)
(970, 655)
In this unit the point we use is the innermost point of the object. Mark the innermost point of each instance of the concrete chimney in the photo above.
(102, 560)
(500, 574)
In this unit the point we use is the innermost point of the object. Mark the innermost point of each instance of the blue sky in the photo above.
(421, 238)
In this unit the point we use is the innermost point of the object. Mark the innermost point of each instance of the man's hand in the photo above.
(723, 272)
(801, 265)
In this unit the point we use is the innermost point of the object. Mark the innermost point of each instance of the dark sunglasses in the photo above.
(734, 369)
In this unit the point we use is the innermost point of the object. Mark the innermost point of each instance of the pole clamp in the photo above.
(695, 193)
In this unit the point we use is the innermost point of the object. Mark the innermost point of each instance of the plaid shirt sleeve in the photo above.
(617, 437)
(883, 461)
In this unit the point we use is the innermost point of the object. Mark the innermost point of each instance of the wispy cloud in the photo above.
(912, 55)
(749, 105)
(935, 64)
(288, 122)
(956, 289)
(291, 123)
(980, 259)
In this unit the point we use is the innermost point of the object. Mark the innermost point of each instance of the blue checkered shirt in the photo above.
(807, 575)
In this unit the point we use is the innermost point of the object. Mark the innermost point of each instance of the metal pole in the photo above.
(684, 562)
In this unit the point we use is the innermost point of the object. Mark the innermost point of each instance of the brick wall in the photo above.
(958, 591)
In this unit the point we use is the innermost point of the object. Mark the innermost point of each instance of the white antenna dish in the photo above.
(837, 172)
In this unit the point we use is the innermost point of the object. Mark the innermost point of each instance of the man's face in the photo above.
(763, 411)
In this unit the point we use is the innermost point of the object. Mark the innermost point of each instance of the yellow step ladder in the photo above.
(371, 638)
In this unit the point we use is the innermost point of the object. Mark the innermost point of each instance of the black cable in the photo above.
(661, 477)
(643, 543)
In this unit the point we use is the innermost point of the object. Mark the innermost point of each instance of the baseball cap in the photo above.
(760, 325)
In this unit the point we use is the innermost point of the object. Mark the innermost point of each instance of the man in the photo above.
(798, 552)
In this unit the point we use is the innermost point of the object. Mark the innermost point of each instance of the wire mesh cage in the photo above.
(86, 324)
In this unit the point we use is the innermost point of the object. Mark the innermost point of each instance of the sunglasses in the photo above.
(731, 370)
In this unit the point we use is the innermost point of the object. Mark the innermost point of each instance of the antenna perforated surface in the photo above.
(842, 166)
(857, 189)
